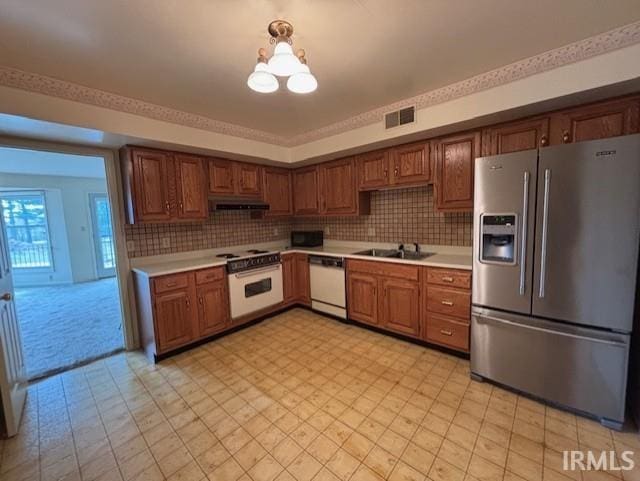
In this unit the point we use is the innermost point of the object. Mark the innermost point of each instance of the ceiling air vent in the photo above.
(400, 117)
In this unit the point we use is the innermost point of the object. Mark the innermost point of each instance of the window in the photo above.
(25, 218)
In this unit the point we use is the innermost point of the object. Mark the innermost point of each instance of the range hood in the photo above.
(235, 203)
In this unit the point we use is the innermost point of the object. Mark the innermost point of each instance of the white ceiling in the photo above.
(36, 162)
(195, 55)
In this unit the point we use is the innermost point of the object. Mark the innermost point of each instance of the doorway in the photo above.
(57, 219)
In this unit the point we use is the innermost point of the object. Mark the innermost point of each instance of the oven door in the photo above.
(256, 289)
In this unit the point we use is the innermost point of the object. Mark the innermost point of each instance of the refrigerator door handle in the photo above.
(525, 226)
(482, 319)
(545, 229)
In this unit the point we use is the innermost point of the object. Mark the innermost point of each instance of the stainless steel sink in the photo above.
(396, 254)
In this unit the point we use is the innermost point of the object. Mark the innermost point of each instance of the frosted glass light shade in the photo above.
(302, 82)
(261, 80)
(283, 63)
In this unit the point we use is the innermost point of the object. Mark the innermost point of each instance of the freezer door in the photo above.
(588, 232)
(580, 368)
(505, 188)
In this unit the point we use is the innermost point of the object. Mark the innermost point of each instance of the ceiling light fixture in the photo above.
(283, 63)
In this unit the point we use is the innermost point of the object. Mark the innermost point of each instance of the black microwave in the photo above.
(307, 238)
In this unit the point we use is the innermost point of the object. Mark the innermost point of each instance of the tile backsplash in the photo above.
(403, 215)
(222, 229)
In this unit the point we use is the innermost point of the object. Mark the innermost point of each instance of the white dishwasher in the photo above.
(328, 285)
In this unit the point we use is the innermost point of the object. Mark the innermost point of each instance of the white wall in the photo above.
(69, 224)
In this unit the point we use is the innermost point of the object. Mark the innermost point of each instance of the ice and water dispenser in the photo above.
(498, 238)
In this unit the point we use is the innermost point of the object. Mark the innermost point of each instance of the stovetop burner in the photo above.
(227, 256)
(256, 251)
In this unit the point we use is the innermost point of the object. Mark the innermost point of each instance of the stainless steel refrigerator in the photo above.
(556, 241)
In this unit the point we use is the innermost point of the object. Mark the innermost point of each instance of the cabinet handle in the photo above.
(566, 137)
(395, 170)
(447, 279)
(447, 303)
(171, 284)
(544, 141)
(166, 206)
(181, 207)
(445, 332)
(188, 302)
(200, 301)
(386, 173)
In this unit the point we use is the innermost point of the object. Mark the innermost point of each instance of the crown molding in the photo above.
(11, 77)
(590, 47)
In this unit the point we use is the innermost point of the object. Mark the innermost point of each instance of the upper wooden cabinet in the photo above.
(221, 176)
(277, 191)
(516, 136)
(454, 161)
(249, 178)
(191, 187)
(338, 189)
(399, 166)
(597, 121)
(227, 177)
(162, 186)
(306, 199)
(373, 170)
(411, 164)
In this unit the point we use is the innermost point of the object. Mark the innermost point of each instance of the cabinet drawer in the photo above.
(449, 277)
(452, 302)
(448, 332)
(170, 282)
(209, 275)
(388, 269)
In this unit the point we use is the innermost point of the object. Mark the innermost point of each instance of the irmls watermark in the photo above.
(597, 461)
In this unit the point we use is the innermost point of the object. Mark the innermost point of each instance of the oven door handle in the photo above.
(253, 272)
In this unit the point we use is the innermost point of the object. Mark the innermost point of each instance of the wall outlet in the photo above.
(165, 242)
(371, 231)
(131, 246)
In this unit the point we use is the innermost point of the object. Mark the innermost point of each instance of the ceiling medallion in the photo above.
(283, 63)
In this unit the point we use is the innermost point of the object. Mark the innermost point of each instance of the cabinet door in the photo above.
(277, 191)
(152, 184)
(362, 297)
(400, 306)
(599, 121)
(289, 278)
(411, 164)
(338, 194)
(516, 136)
(305, 191)
(174, 319)
(455, 157)
(191, 187)
(302, 285)
(221, 179)
(373, 170)
(249, 179)
(213, 308)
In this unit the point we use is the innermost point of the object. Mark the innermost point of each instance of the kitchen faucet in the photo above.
(417, 247)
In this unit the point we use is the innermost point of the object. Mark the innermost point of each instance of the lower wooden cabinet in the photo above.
(295, 278)
(426, 303)
(213, 308)
(174, 319)
(400, 306)
(362, 297)
(447, 307)
(178, 309)
(384, 294)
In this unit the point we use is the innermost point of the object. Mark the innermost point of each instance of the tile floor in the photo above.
(297, 397)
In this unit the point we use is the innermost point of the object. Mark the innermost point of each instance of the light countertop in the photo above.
(445, 257)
